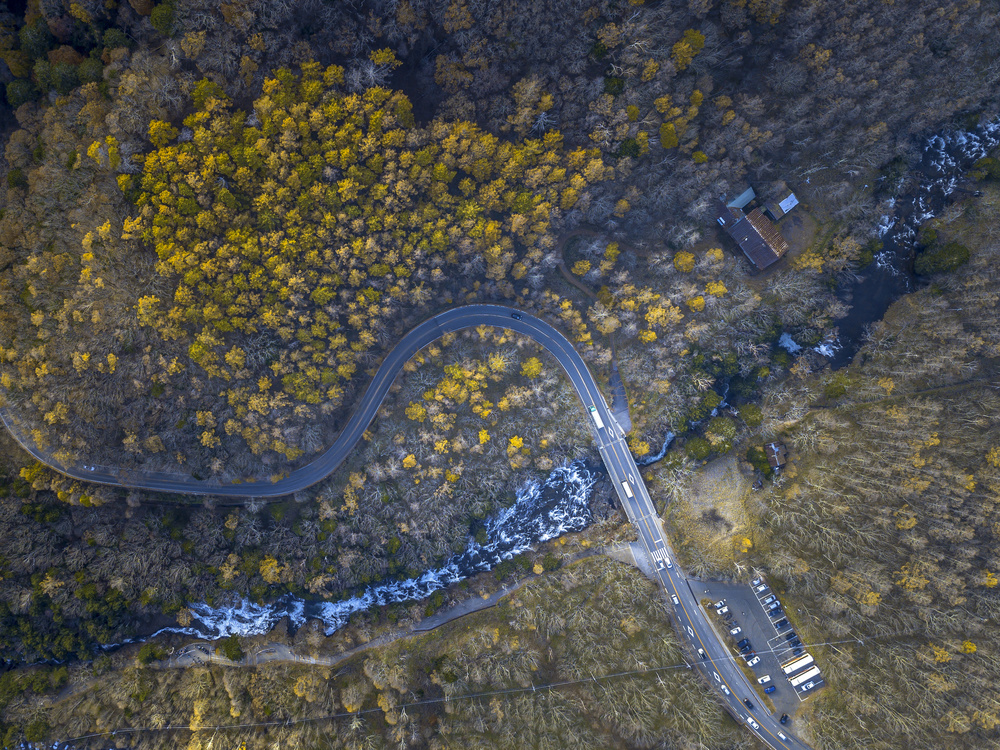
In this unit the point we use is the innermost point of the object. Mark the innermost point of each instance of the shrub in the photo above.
(16, 178)
(698, 448)
(162, 18)
(115, 38)
(758, 459)
(35, 38)
(629, 147)
(20, 91)
(613, 85)
(751, 415)
(150, 652)
(230, 647)
(941, 259)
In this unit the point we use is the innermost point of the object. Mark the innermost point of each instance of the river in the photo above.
(541, 511)
(945, 158)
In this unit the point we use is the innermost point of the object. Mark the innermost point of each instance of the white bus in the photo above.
(796, 664)
(628, 490)
(597, 417)
(804, 677)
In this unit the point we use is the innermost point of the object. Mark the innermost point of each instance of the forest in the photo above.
(216, 218)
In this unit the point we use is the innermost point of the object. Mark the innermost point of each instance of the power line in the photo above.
(550, 686)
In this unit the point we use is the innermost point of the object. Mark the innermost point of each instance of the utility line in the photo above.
(447, 699)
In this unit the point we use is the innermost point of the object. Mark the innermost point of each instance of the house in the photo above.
(777, 455)
(757, 237)
(781, 203)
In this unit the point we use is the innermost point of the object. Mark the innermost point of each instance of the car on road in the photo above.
(765, 678)
(782, 736)
(736, 631)
(783, 719)
(747, 703)
(762, 588)
(702, 654)
(753, 723)
(673, 598)
(769, 689)
(515, 315)
(725, 689)
(754, 661)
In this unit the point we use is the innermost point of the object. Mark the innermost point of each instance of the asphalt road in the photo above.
(718, 664)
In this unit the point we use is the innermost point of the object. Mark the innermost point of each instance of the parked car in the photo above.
(762, 588)
(744, 642)
(769, 689)
(765, 678)
(722, 611)
(673, 598)
(776, 613)
(783, 719)
(791, 636)
(808, 686)
(783, 622)
(796, 643)
(736, 631)
(769, 599)
(747, 703)
(797, 651)
(754, 661)
(755, 582)
(720, 604)
(775, 605)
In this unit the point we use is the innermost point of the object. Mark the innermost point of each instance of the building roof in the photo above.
(742, 199)
(777, 454)
(757, 237)
(788, 203)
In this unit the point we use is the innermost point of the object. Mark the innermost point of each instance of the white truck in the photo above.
(597, 418)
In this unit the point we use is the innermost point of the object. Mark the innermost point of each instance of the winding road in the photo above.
(718, 662)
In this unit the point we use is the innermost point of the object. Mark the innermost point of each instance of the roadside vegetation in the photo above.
(414, 692)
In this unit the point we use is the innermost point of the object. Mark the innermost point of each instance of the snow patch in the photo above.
(788, 343)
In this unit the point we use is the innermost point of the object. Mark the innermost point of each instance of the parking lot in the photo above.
(749, 612)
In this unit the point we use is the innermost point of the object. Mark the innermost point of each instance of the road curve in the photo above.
(718, 663)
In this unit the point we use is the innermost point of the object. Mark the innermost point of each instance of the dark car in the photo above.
(784, 719)
(744, 649)
(783, 622)
(791, 636)
(744, 642)
(747, 703)
(796, 643)
(797, 651)
(516, 316)
(776, 613)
